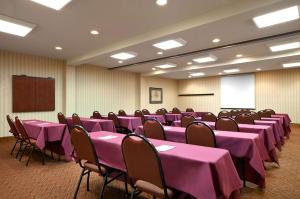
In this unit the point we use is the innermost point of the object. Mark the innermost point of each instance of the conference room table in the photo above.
(240, 145)
(194, 114)
(170, 117)
(129, 121)
(286, 122)
(202, 172)
(44, 131)
(91, 124)
(160, 118)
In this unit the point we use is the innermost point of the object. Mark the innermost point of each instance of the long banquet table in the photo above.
(202, 172)
(240, 145)
(91, 124)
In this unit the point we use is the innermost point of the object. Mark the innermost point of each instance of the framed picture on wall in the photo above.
(155, 95)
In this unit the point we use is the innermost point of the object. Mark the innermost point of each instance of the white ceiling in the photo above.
(134, 25)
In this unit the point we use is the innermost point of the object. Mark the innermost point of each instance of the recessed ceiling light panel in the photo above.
(277, 17)
(286, 46)
(15, 27)
(54, 4)
(124, 55)
(205, 59)
(165, 66)
(170, 44)
(197, 74)
(216, 40)
(234, 70)
(94, 32)
(161, 2)
(291, 65)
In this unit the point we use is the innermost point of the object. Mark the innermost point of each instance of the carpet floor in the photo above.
(58, 179)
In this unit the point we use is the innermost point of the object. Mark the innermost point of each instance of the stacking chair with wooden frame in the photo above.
(244, 118)
(189, 110)
(144, 167)
(244, 111)
(226, 124)
(270, 111)
(264, 113)
(97, 115)
(29, 142)
(76, 120)
(146, 112)
(122, 113)
(120, 129)
(224, 114)
(88, 160)
(176, 110)
(15, 133)
(186, 120)
(165, 110)
(139, 114)
(234, 112)
(209, 117)
(163, 113)
(255, 115)
(199, 133)
(154, 129)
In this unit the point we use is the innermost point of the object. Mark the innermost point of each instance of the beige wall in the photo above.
(279, 90)
(169, 88)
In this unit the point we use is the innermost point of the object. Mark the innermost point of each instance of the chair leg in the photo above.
(126, 185)
(133, 193)
(43, 157)
(103, 186)
(21, 145)
(23, 152)
(14, 147)
(30, 153)
(78, 184)
(88, 181)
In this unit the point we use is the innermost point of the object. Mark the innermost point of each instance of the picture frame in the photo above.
(155, 95)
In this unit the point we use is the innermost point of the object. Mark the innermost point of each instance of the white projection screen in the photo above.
(238, 91)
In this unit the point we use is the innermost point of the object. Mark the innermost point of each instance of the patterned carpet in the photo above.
(57, 179)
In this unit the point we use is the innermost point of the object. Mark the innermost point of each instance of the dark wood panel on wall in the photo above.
(33, 94)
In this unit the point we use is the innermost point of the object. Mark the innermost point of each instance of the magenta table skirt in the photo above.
(172, 117)
(202, 172)
(89, 124)
(130, 122)
(160, 118)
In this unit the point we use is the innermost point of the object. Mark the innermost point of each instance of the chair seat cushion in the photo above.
(93, 167)
(152, 189)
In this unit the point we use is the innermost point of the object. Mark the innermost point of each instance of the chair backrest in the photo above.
(271, 111)
(139, 113)
(235, 112)
(97, 115)
(154, 129)
(160, 112)
(224, 114)
(122, 113)
(165, 110)
(186, 120)
(189, 110)
(209, 117)
(255, 115)
(264, 113)
(76, 120)
(244, 110)
(114, 118)
(244, 118)
(61, 118)
(145, 112)
(142, 160)
(83, 146)
(199, 133)
(21, 129)
(12, 126)
(226, 124)
(176, 110)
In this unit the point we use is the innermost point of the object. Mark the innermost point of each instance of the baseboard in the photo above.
(6, 138)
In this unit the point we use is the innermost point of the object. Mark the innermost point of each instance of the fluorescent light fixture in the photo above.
(124, 55)
(234, 70)
(161, 2)
(205, 59)
(94, 32)
(258, 69)
(197, 74)
(169, 44)
(286, 46)
(54, 4)
(58, 48)
(291, 65)
(216, 40)
(15, 27)
(165, 66)
(277, 17)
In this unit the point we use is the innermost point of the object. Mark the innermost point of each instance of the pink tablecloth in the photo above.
(130, 122)
(277, 131)
(173, 117)
(194, 114)
(160, 118)
(202, 172)
(286, 122)
(240, 145)
(44, 131)
(89, 124)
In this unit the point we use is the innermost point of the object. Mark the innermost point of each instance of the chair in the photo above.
(160, 112)
(88, 160)
(264, 113)
(226, 124)
(199, 133)
(235, 112)
(144, 167)
(29, 142)
(209, 117)
(76, 120)
(122, 113)
(154, 129)
(175, 110)
(145, 112)
(255, 115)
(189, 110)
(244, 118)
(97, 115)
(139, 113)
(165, 110)
(119, 128)
(15, 133)
(186, 120)
(224, 114)
(272, 112)
(61, 118)
(244, 111)
(58, 144)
